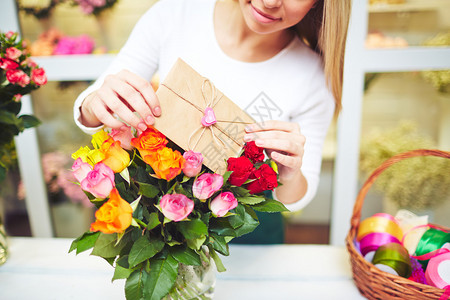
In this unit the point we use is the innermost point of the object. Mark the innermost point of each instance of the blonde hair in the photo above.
(324, 29)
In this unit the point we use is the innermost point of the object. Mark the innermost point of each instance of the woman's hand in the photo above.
(284, 143)
(122, 95)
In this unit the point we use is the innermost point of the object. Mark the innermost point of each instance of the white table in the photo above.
(42, 269)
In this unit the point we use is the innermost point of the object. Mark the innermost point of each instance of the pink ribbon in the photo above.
(373, 240)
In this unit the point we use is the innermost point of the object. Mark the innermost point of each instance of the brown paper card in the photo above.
(183, 96)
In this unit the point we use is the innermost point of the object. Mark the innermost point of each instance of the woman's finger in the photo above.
(292, 162)
(102, 113)
(273, 125)
(287, 146)
(144, 88)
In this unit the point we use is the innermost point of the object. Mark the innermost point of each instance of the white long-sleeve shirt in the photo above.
(289, 86)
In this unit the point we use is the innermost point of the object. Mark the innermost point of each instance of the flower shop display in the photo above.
(172, 197)
(440, 79)
(54, 42)
(19, 75)
(94, 7)
(39, 9)
(403, 256)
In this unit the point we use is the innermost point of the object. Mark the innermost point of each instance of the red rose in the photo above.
(18, 77)
(8, 64)
(242, 167)
(253, 152)
(38, 76)
(266, 179)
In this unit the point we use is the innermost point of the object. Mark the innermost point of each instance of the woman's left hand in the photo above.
(283, 142)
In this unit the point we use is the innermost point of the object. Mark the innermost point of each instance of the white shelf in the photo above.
(426, 5)
(74, 67)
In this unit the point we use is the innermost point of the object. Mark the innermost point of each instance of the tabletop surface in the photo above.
(40, 268)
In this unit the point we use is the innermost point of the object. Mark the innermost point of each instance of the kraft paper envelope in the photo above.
(184, 97)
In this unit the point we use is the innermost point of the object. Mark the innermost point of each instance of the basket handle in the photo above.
(387, 163)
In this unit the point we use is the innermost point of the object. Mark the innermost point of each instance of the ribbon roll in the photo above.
(379, 223)
(393, 258)
(374, 240)
(438, 271)
(430, 245)
(413, 228)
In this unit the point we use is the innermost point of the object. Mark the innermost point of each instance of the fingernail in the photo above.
(142, 126)
(259, 143)
(247, 138)
(150, 120)
(157, 111)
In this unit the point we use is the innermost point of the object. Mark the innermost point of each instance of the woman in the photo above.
(280, 58)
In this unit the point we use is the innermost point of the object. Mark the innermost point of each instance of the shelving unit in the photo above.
(359, 61)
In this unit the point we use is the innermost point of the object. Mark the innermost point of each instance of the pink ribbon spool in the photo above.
(373, 240)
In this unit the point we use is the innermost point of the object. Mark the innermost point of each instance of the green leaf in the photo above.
(121, 272)
(30, 121)
(226, 175)
(148, 190)
(144, 249)
(106, 247)
(270, 205)
(185, 255)
(134, 286)
(249, 225)
(192, 229)
(196, 243)
(219, 244)
(153, 221)
(238, 219)
(84, 242)
(250, 200)
(8, 118)
(162, 276)
(219, 265)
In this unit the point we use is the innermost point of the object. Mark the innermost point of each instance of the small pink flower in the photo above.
(206, 185)
(31, 63)
(124, 136)
(99, 182)
(193, 163)
(176, 207)
(18, 77)
(8, 64)
(80, 169)
(38, 76)
(9, 34)
(17, 97)
(223, 203)
(13, 53)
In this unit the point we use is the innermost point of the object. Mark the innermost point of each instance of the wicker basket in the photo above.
(371, 281)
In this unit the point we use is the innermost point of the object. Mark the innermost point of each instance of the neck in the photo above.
(239, 41)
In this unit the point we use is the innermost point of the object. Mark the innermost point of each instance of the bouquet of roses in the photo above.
(160, 210)
(19, 75)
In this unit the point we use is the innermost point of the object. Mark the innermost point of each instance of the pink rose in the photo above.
(176, 207)
(38, 76)
(18, 77)
(193, 163)
(9, 34)
(31, 63)
(17, 97)
(80, 169)
(124, 136)
(206, 185)
(223, 203)
(99, 182)
(8, 64)
(13, 53)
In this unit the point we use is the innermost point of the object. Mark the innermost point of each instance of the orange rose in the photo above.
(149, 141)
(114, 216)
(166, 163)
(115, 157)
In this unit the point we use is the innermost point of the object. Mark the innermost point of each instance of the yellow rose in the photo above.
(98, 138)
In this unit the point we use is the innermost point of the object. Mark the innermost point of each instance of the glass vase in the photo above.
(3, 243)
(194, 282)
